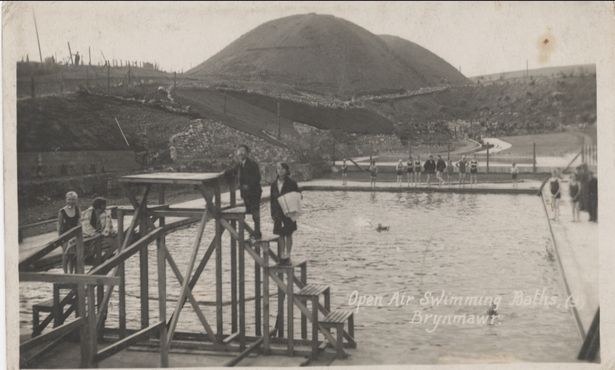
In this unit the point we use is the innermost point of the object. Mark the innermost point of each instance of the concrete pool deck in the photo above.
(576, 244)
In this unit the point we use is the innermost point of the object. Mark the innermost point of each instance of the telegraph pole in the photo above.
(38, 40)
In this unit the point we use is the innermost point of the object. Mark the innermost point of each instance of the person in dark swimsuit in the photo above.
(399, 171)
(417, 171)
(462, 165)
(473, 171)
(410, 170)
(69, 217)
(554, 186)
(344, 172)
(282, 225)
(574, 188)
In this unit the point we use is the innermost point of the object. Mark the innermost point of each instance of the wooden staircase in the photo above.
(307, 298)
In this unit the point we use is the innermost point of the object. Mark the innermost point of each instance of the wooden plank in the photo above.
(161, 251)
(303, 278)
(128, 252)
(49, 247)
(49, 277)
(190, 296)
(230, 229)
(242, 289)
(181, 212)
(121, 274)
(218, 272)
(81, 313)
(51, 335)
(230, 338)
(92, 337)
(265, 266)
(128, 210)
(290, 308)
(131, 229)
(257, 294)
(185, 287)
(127, 342)
(245, 353)
(177, 178)
(233, 280)
(281, 290)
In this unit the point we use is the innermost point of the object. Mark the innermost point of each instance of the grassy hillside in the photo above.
(87, 122)
(321, 53)
(517, 107)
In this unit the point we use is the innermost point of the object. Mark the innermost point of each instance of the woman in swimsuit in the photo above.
(373, 174)
(555, 188)
(344, 172)
(410, 170)
(399, 170)
(473, 171)
(68, 218)
(417, 171)
(574, 189)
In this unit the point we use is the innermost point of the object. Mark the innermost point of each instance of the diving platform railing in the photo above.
(149, 225)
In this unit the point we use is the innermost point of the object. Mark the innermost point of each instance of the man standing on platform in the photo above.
(249, 178)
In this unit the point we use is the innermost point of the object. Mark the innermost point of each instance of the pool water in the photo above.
(425, 285)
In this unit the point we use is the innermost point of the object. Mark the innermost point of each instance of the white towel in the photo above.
(291, 204)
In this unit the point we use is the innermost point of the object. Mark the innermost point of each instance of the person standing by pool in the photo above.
(249, 177)
(417, 171)
(399, 170)
(592, 195)
(462, 165)
(410, 170)
(555, 188)
(440, 167)
(514, 172)
(449, 171)
(473, 171)
(373, 173)
(68, 218)
(574, 188)
(430, 168)
(344, 171)
(283, 225)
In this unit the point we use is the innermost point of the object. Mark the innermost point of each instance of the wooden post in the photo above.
(81, 309)
(56, 309)
(218, 242)
(91, 323)
(280, 321)
(242, 289)
(487, 159)
(314, 325)
(121, 273)
(257, 293)
(162, 293)
(290, 310)
(234, 280)
(144, 269)
(266, 345)
(303, 279)
(534, 158)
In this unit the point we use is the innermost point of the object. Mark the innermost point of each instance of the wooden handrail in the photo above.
(87, 279)
(50, 247)
(54, 333)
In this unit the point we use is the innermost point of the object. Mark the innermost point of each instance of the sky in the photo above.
(478, 38)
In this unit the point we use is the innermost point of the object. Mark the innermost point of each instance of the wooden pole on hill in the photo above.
(40, 53)
(70, 53)
(279, 123)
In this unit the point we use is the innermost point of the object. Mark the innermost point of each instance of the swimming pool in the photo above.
(425, 285)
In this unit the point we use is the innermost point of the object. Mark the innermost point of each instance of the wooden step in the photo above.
(336, 317)
(44, 306)
(293, 264)
(311, 290)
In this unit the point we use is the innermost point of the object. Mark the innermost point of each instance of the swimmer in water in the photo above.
(382, 228)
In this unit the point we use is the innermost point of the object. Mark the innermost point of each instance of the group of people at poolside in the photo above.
(432, 168)
(583, 193)
(95, 220)
(247, 173)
